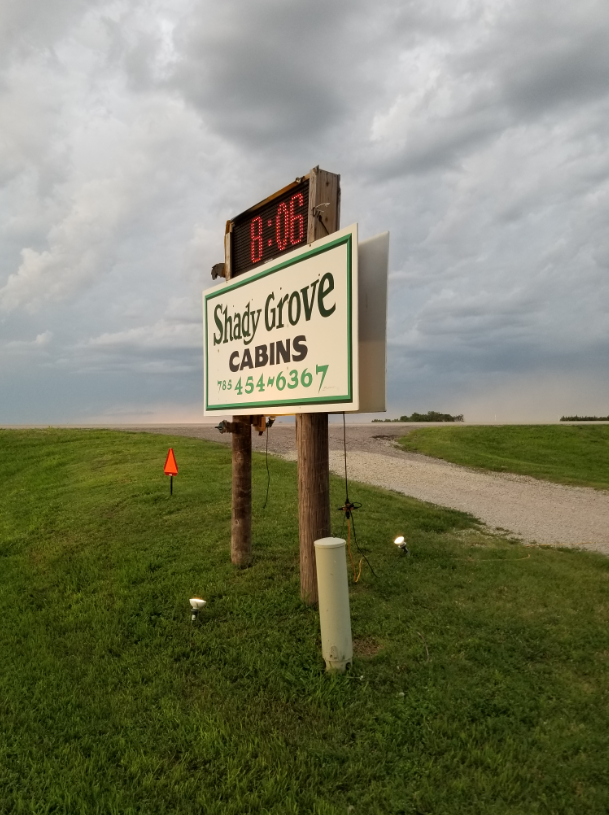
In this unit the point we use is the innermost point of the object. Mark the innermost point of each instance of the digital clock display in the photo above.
(271, 229)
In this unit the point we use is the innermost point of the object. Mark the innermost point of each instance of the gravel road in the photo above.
(533, 510)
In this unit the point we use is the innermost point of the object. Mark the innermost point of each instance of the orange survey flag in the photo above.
(171, 467)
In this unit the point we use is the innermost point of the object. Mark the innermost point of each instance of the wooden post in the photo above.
(312, 428)
(324, 189)
(313, 495)
(241, 527)
(241, 518)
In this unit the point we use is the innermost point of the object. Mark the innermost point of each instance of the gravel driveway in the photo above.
(536, 511)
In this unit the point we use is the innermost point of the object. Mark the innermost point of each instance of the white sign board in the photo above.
(373, 265)
(284, 338)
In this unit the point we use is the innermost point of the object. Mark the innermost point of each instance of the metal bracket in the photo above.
(218, 270)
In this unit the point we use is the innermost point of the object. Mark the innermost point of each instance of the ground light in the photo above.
(197, 603)
(400, 542)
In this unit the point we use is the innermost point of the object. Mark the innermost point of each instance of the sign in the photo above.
(373, 267)
(270, 229)
(171, 467)
(283, 338)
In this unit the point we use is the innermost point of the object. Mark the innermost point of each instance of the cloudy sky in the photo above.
(476, 132)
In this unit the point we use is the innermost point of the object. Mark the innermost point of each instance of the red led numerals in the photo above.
(296, 221)
(282, 221)
(256, 235)
(289, 228)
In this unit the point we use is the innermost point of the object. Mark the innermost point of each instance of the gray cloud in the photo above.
(265, 73)
(478, 134)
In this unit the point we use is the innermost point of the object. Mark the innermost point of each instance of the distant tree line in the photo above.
(584, 418)
(430, 416)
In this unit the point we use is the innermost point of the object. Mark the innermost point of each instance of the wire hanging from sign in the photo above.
(266, 458)
(348, 508)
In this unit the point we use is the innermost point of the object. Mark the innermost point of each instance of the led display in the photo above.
(270, 230)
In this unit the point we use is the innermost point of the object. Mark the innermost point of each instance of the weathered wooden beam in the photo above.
(313, 495)
(312, 428)
(324, 204)
(241, 515)
(241, 526)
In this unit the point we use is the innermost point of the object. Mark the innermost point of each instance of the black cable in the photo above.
(268, 472)
(349, 506)
(359, 548)
(320, 219)
(345, 452)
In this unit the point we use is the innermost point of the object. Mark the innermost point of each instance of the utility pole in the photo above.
(312, 428)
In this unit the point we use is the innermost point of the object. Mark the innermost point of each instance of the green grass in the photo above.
(480, 683)
(577, 455)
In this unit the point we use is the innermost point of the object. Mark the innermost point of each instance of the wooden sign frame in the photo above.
(323, 212)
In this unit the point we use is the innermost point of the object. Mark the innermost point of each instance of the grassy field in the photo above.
(567, 454)
(480, 683)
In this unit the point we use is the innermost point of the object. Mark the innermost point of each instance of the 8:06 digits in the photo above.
(288, 228)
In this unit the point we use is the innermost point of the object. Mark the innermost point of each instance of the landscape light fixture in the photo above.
(196, 603)
(400, 542)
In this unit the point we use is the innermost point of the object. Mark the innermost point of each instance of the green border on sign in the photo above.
(345, 239)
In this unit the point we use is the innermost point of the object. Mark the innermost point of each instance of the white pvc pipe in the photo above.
(334, 615)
